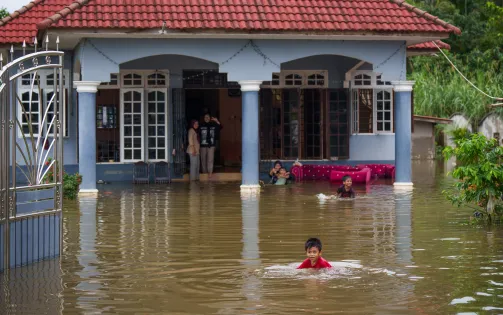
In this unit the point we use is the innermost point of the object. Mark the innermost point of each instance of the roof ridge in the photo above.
(77, 4)
(426, 15)
(17, 13)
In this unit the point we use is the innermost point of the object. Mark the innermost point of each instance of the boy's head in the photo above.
(278, 165)
(313, 249)
(347, 181)
(282, 171)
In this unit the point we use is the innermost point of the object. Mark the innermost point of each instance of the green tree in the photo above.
(479, 171)
(3, 13)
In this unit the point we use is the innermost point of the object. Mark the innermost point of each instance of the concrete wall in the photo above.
(423, 141)
(337, 66)
(245, 65)
(490, 125)
(376, 147)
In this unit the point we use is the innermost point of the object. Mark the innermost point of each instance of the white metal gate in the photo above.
(31, 159)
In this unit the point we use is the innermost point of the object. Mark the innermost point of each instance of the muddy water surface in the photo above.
(208, 249)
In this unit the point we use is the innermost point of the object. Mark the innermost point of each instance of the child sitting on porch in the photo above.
(345, 190)
(282, 176)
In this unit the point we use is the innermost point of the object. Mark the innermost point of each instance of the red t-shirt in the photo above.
(321, 263)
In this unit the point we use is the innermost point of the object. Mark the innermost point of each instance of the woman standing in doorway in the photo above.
(209, 136)
(193, 150)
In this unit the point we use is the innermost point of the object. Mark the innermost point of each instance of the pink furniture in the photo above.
(380, 170)
(361, 176)
(323, 172)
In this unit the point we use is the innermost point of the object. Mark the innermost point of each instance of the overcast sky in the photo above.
(13, 5)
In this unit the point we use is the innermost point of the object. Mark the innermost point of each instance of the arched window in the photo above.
(132, 79)
(317, 79)
(362, 80)
(156, 79)
(293, 79)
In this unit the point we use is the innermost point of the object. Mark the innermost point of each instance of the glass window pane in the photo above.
(137, 131)
(151, 130)
(137, 108)
(160, 96)
(160, 131)
(151, 154)
(151, 107)
(161, 142)
(137, 142)
(379, 115)
(128, 119)
(137, 119)
(127, 97)
(379, 126)
(160, 107)
(137, 96)
(151, 97)
(387, 105)
(151, 119)
(160, 119)
(128, 154)
(161, 154)
(387, 126)
(127, 107)
(128, 143)
(137, 154)
(128, 131)
(151, 142)
(387, 116)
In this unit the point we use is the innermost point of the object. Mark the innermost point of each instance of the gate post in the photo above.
(87, 134)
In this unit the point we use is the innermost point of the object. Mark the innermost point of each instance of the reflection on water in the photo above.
(204, 248)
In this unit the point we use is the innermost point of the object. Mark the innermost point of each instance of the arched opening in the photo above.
(312, 107)
(144, 111)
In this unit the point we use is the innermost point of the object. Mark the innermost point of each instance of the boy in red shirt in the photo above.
(313, 252)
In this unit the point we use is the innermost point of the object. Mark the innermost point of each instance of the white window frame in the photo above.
(122, 136)
(375, 101)
(44, 89)
(280, 78)
(20, 112)
(45, 92)
(109, 85)
(166, 119)
(132, 73)
(376, 85)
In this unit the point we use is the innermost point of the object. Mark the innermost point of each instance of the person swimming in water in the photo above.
(345, 190)
(313, 253)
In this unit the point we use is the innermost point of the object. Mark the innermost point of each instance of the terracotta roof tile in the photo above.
(429, 46)
(321, 16)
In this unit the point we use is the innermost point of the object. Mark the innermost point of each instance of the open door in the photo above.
(179, 132)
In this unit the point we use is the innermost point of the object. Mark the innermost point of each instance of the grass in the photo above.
(440, 91)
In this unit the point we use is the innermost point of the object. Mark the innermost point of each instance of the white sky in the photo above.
(13, 5)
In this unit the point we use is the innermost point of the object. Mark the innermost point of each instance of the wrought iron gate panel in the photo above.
(179, 132)
(31, 125)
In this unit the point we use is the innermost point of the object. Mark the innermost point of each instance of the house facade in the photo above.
(322, 82)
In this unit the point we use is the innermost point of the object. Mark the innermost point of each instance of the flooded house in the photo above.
(322, 82)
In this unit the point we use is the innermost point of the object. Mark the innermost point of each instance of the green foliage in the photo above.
(3, 13)
(477, 52)
(71, 183)
(480, 174)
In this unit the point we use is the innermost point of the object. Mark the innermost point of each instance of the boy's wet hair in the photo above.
(313, 242)
(345, 178)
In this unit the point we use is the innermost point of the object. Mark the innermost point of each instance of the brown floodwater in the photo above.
(206, 248)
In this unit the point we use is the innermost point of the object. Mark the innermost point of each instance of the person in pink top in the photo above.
(313, 252)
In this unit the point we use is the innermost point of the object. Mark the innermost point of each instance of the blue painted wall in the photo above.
(379, 147)
(247, 65)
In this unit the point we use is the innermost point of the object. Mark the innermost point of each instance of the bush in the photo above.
(480, 174)
(71, 183)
